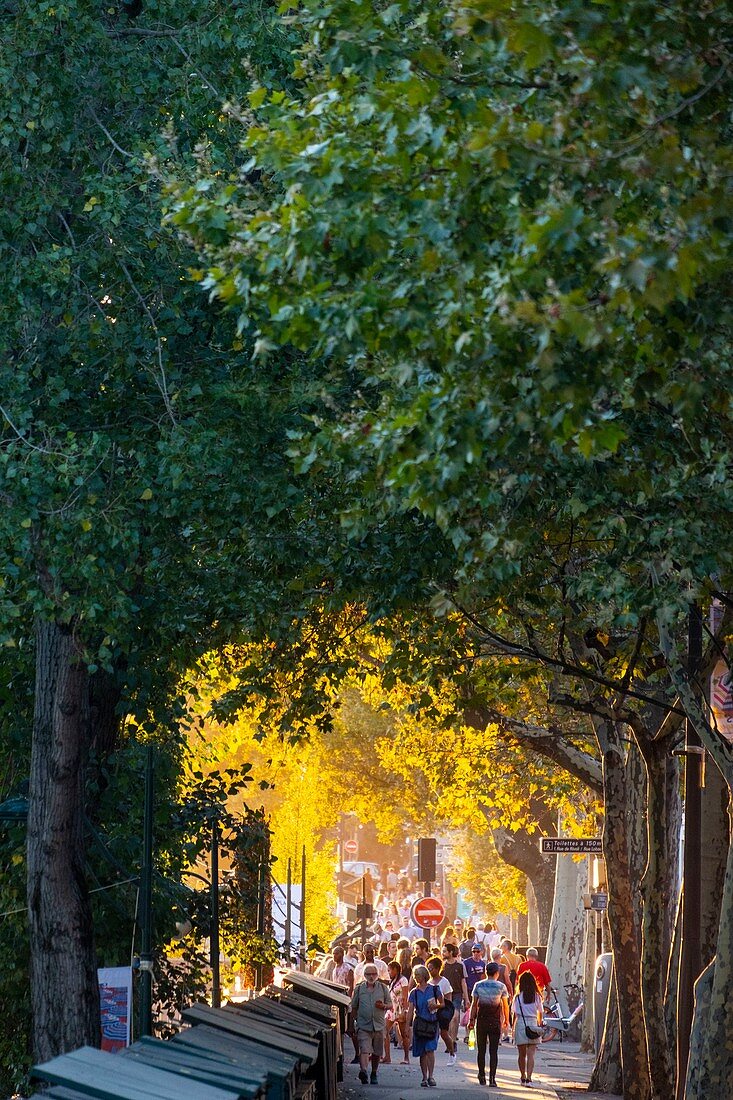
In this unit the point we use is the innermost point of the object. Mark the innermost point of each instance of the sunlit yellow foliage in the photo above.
(396, 753)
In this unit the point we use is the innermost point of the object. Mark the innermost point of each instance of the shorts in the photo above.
(370, 1042)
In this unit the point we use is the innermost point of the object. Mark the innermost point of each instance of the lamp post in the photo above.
(690, 954)
(214, 930)
(146, 902)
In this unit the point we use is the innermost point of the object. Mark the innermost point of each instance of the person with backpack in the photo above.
(445, 1015)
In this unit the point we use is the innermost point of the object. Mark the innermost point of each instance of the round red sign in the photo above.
(427, 912)
(351, 847)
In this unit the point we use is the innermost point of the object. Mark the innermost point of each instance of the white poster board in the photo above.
(115, 1003)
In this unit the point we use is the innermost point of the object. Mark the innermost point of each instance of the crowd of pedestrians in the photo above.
(407, 995)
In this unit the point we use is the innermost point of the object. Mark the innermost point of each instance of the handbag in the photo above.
(530, 1032)
(425, 1029)
(445, 1012)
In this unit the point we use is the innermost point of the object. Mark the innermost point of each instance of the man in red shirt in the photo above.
(537, 969)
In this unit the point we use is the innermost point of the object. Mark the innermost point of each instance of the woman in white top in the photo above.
(397, 1015)
(435, 967)
(527, 1009)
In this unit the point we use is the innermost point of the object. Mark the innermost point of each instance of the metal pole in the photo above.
(303, 936)
(428, 894)
(214, 931)
(363, 910)
(146, 902)
(690, 954)
(288, 903)
(261, 888)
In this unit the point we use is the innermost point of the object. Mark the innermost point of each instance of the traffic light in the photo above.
(426, 850)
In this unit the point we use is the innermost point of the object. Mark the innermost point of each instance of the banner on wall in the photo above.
(721, 684)
(115, 1002)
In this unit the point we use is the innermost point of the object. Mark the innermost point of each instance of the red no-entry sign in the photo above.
(351, 847)
(427, 912)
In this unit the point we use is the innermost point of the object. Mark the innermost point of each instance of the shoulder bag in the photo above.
(446, 1010)
(422, 1027)
(530, 1032)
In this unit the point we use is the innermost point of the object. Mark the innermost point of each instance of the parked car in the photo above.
(359, 867)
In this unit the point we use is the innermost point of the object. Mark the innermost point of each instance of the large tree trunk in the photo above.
(565, 942)
(63, 976)
(522, 928)
(533, 925)
(521, 849)
(715, 840)
(715, 1062)
(587, 1023)
(607, 1075)
(623, 922)
(658, 898)
(703, 995)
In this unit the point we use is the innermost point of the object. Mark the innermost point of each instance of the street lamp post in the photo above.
(146, 903)
(214, 953)
(690, 953)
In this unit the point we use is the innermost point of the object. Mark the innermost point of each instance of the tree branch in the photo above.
(549, 741)
(505, 647)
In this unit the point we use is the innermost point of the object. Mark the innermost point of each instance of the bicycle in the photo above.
(558, 1024)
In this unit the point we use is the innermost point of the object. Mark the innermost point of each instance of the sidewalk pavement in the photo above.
(561, 1072)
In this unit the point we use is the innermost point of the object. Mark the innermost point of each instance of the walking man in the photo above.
(489, 1015)
(368, 1006)
(370, 960)
(454, 971)
(537, 969)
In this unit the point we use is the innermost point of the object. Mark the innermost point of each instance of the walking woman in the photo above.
(449, 936)
(527, 1009)
(422, 1016)
(489, 1015)
(398, 991)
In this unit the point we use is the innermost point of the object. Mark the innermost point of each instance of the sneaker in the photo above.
(373, 1079)
(423, 1084)
(432, 1082)
(363, 1076)
(451, 1060)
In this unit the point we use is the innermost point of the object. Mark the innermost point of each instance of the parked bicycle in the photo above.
(556, 1025)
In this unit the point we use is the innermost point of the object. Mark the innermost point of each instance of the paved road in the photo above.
(558, 1066)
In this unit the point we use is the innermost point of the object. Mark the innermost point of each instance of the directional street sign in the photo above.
(351, 846)
(427, 912)
(571, 845)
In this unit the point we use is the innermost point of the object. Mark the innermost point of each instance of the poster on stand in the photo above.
(115, 1002)
(721, 683)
